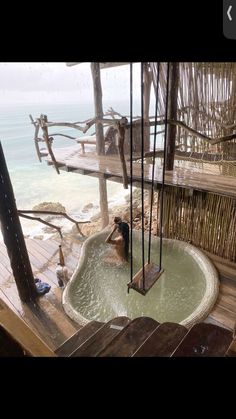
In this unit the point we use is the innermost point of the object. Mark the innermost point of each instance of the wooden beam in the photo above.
(147, 73)
(19, 330)
(13, 236)
(36, 126)
(172, 114)
(102, 65)
(111, 65)
(44, 120)
(100, 144)
(121, 138)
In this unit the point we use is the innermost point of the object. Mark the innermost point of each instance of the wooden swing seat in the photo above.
(152, 274)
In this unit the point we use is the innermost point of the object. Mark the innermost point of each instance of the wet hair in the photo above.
(117, 220)
(123, 228)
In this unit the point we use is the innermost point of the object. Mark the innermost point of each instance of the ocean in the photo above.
(34, 182)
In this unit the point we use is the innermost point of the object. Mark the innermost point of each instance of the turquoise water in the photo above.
(100, 291)
(34, 182)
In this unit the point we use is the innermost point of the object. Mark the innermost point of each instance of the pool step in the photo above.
(204, 340)
(163, 341)
(145, 337)
(102, 338)
(130, 338)
(69, 346)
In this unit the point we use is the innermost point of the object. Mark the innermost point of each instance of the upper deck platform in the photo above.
(202, 177)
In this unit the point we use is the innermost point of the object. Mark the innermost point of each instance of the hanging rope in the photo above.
(164, 163)
(142, 174)
(131, 173)
(153, 163)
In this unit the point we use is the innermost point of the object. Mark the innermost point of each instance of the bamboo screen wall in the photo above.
(205, 220)
(207, 104)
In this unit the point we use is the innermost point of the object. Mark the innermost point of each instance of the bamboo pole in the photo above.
(206, 220)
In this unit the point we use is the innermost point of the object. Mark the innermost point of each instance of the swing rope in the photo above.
(153, 163)
(149, 271)
(164, 163)
(142, 173)
(131, 172)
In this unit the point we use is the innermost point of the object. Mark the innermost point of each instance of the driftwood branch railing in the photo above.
(41, 221)
(121, 138)
(22, 213)
(121, 123)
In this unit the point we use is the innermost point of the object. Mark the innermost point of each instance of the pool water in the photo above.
(99, 292)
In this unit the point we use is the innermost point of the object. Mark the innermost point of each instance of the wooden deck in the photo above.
(47, 318)
(185, 174)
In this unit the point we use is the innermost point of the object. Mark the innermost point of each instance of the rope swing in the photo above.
(150, 272)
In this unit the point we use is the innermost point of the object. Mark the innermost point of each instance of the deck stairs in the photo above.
(145, 337)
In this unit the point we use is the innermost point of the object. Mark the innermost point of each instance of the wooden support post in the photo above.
(97, 92)
(146, 104)
(121, 138)
(100, 143)
(36, 126)
(13, 236)
(43, 119)
(172, 114)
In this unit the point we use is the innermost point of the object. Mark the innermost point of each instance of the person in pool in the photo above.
(120, 243)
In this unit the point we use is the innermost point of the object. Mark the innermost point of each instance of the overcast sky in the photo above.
(56, 82)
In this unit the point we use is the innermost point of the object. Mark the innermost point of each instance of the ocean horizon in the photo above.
(34, 182)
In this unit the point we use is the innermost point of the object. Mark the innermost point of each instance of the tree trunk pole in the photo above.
(100, 143)
(172, 114)
(146, 104)
(13, 236)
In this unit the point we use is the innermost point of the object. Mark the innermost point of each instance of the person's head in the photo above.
(117, 220)
(123, 229)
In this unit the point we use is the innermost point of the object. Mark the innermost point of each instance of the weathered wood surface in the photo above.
(23, 335)
(142, 283)
(189, 175)
(204, 340)
(130, 339)
(48, 320)
(75, 341)
(46, 317)
(102, 338)
(172, 114)
(13, 236)
(163, 341)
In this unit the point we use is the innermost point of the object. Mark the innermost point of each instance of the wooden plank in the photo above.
(232, 350)
(182, 177)
(223, 316)
(204, 340)
(99, 340)
(221, 262)
(69, 346)
(48, 319)
(131, 338)
(142, 285)
(227, 300)
(22, 333)
(163, 341)
(46, 254)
